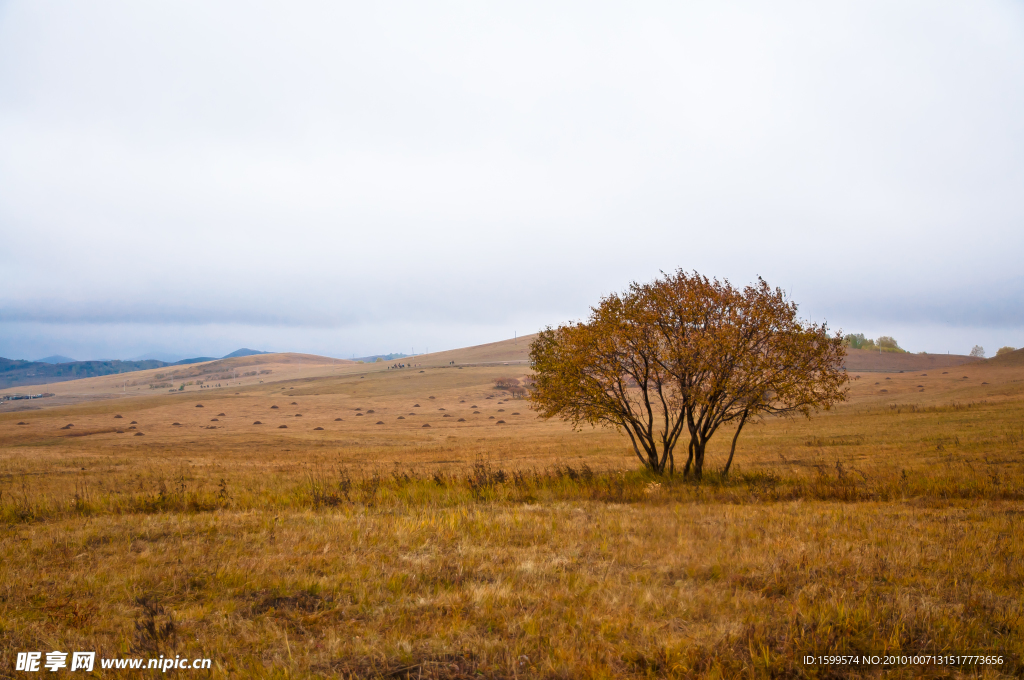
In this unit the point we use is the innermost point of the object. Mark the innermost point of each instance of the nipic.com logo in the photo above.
(30, 661)
(34, 662)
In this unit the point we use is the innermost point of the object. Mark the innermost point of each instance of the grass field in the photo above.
(377, 546)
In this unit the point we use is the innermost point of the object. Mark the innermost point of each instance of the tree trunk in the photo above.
(689, 461)
(732, 452)
(698, 460)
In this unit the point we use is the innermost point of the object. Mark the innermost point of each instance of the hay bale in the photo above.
(426, 424)
(401, 417)
(119, 416)
(379, 422)
(221, 414)
(500, 422)
(318, 428)
(140, 434)
(199, 406)
(337, 420)
(68, 426)
(133, 423)
(298, 415)
(274, 406)
(461, 420)
(214, 420)
(256, 422)
(282, 427)
(22, 422)
(176, 424)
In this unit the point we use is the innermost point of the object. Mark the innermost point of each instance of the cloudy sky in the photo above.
(190, 178)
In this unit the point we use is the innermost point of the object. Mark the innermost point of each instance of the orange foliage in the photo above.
(680, 358)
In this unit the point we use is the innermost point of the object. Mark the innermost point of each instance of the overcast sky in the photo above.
(190, 178)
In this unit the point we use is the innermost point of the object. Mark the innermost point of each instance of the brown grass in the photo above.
(468, 549)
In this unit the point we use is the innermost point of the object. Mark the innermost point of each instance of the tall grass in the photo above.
(325, 486)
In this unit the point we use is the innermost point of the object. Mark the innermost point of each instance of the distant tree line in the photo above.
(885, 343)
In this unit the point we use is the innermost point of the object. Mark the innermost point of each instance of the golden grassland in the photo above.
(379, 547)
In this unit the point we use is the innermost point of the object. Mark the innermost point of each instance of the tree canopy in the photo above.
(681, 357)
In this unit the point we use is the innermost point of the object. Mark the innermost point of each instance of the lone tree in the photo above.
(683, 357)
(978, 351)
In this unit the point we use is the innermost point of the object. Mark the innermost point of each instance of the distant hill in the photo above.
(1014, 358)
(157, 356)
(868, 360)
(15, 373)
(56, 359)
(244, 352)
(516, 350)
(384, 357)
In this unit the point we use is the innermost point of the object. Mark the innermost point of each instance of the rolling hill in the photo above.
(866, 360)
(56, 368)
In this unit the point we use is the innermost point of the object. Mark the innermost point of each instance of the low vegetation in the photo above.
(884, 343)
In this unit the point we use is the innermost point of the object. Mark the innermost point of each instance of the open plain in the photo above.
(334, 519)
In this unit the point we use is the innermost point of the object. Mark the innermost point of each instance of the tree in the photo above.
(686, 355)
(978, 351)
(1005, 350)
(889, 342)
(742, 355)
(607, 372)
(855, 341)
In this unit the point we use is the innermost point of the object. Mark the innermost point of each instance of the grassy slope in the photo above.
(866, 360)
(890, 524)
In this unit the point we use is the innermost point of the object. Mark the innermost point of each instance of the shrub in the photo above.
(1005, 350)
(888, 342)
(506, 383)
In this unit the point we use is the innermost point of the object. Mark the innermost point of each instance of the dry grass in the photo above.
(521, 550)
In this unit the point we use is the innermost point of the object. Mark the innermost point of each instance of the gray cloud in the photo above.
(360, 170)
